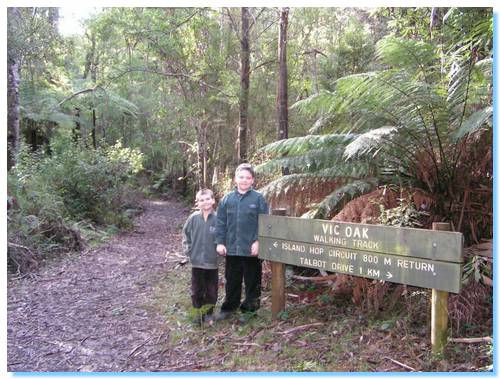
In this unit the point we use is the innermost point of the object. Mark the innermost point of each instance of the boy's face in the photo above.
(244, 180)
(205, 202)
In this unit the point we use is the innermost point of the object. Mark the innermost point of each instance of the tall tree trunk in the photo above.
(89, 57)
(77, 132)
(282, 101)
(93, 131)
(13, 79)
(12, 112)
(245, 84)
(53, 18)
(202, 153)
(91, 63)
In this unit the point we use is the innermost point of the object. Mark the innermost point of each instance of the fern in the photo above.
(340, 172)
(338, 198)
(368, 141)
(400, 124)
(475, 121)
(299, 145)
(406, 54)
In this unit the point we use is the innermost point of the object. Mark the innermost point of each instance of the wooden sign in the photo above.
(417, 257)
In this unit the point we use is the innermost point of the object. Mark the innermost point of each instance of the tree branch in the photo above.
(171, 74)
(78, 93)
(262, 64)
(471, 340)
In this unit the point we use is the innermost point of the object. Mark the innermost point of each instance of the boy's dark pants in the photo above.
(204, 287)
(250, 270)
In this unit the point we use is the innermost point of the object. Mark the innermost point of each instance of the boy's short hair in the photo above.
(245, 166)
(205, 191)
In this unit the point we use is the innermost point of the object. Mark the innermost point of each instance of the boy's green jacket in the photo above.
(198, 240)
(238, 220)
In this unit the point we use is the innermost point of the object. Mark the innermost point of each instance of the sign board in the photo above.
(417, 257)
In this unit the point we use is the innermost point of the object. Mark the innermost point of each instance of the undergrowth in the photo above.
(68, 200)
(319, 331)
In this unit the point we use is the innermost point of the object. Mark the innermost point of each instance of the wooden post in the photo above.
(277, 279)
(439, 309)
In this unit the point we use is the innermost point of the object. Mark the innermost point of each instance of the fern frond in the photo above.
(320, 124)
(336, 200)
(347, 170)
(485, 66)
(368, 141)
(459, 76)
(41, 104)
(309, 161)
(120, 103)
(406, 53)
(299, 145)
(314, 103)
(475, 121)
(285, 183)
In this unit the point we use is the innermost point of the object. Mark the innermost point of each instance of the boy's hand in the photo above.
(254, 250)
(221, 249)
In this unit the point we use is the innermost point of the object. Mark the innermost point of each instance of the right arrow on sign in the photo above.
(389, 275)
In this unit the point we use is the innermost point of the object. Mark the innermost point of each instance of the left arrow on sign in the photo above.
(275, 244)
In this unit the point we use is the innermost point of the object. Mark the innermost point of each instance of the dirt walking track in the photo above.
(90, 312)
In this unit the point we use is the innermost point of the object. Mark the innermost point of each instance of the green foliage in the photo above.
(57, 196)
(196, 315)
(403, 215)
(128, 160)
(475, 267)
(409, 119)
(94, 184)
(352, 53)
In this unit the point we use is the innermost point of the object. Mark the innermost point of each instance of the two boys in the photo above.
(236, 235)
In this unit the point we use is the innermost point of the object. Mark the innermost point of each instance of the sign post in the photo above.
(439, 309)
(278, 296)
(417, 257)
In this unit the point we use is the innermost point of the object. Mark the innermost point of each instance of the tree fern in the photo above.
(401, 124)
(40, 104)
(369, 141)
(334, 202)
(344, 172)
(299, 145)
(309, 161)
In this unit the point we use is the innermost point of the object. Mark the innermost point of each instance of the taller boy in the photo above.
(236, 238)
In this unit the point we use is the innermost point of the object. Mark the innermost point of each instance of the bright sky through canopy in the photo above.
(71, 18)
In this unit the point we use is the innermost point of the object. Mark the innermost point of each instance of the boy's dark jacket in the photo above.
(237, 220)
(198, 240)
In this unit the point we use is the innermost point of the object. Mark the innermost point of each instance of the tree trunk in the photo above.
(12, 112)
(282, 101)
(91, 63)
(245, 84)
(53, 18)
(283, 77)
(77, 132)
(93, 132)
(202, 154)
(89, 58)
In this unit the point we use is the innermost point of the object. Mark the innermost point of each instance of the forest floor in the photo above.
(125, 306)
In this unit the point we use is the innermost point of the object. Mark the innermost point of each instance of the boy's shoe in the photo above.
(209, 319)
(222, 315)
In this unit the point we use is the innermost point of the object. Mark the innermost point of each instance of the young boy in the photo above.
(237, 223)
(198, 240)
